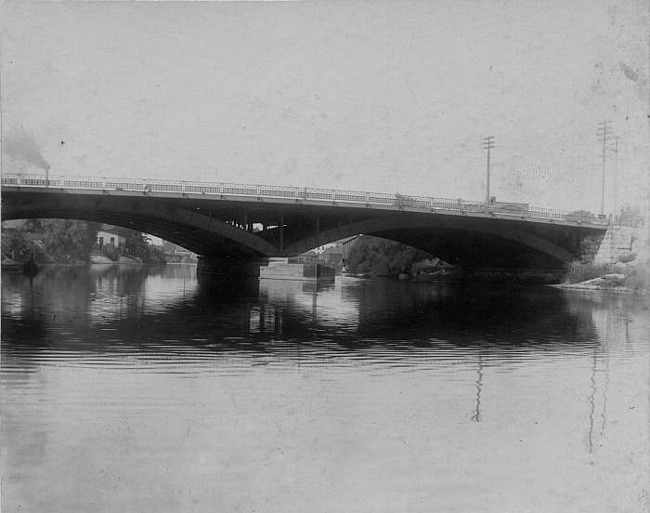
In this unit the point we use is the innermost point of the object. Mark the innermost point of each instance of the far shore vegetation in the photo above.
(381, 257)
(65, 241)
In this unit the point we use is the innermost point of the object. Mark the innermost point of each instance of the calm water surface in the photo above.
(144, 390)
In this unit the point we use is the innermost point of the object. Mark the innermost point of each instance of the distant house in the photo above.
(309, 257)
(178, 254)
(348, 244)
(110, 239)
(332, 255)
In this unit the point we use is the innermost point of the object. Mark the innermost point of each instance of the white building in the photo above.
(106, 238)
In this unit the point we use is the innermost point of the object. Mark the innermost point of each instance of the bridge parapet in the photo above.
(222, 190)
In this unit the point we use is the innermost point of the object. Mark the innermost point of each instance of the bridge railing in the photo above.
(298, 193)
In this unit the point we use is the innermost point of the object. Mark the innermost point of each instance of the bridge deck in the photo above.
(295, 195)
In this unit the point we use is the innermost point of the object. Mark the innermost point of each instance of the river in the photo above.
(145, 390)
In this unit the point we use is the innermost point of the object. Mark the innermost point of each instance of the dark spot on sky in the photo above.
(629, 72)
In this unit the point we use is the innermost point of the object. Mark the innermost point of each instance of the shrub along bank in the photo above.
(381, 257)
(69, 241)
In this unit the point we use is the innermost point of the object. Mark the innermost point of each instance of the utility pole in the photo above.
(488, 144)
(615, 149)
(604, 132)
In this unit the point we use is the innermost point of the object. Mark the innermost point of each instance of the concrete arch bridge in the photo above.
(244, 222)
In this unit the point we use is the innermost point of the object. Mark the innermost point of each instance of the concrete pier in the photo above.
(229, 266)
(283, 269)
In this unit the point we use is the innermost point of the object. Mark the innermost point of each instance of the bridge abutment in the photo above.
(623, 244)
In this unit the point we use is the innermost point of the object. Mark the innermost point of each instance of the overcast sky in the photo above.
(385, 96)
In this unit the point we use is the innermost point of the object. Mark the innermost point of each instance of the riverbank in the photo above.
(102, 260)
(597, 285)
(11, 266)
(619, 277)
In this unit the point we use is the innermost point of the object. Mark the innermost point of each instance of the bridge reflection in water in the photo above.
(264, 395)
(388, 312)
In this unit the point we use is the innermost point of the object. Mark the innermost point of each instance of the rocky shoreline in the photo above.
(608, 282)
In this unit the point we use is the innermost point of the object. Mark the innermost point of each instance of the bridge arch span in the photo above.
(192, 230)
(460, 240)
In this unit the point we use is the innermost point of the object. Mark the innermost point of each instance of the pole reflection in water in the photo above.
(592, 403)
(131, 389)
(476, 417)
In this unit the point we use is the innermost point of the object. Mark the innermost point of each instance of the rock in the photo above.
(596, 282)
(627, 257)
(614, 279)
(99, 259)
(11, 264)
(128, 260)
(549, 278)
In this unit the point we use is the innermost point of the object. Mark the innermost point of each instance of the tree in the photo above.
(136, 244)
(50, 239)
(15, 245)
(381, 256)
(582, 215)
(630, 216)
(67, 240)
(589, 248)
